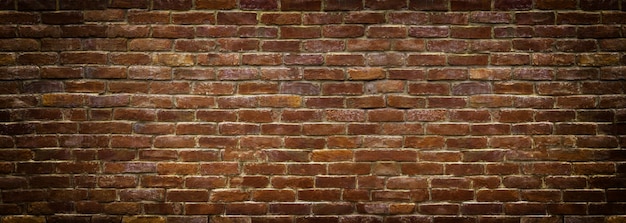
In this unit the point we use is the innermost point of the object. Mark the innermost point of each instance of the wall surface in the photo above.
(168, 111)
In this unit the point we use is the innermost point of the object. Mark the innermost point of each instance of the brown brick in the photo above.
(238, 45)
(296, 5)
(364, 18)
(368, 45)
(556, 4)
(535, 18)
(148, 17)
(255, 4)
(274, 195)
(215, 4)
(458, 5)
(470, 32)
(236, 18)
(386, 32)
(323, 45)
(197, 195)
(320, 18)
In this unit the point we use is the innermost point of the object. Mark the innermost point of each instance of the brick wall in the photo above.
(312, 111)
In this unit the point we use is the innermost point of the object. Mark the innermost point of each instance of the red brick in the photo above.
(447, 129)
(368, 44)
(330, 208)
(426, 60)
(323, 45)
(255, 4)
(404, 208)
(471, 88)
(388, 155)
(319, 195)
(172, 4)
(63, 17)
(172, 32)
(224, 168)
(37, 58)
(261, 142)
(324, 102)
(470, 32)
(468, 60)
(428, 31)
(188, 18)
(280, 101)
(142, 194)
(535, 18)
(187, 195)
(451, 194)
(364, 18)
(83, 58)
(438, 208)
(446, 102)
(260, 32)
(428, 5)
(386, 32)
(261, 168)
(148, 17)
(448, 46)
(36, 5)
(281, 18)
(306, 169)
(601, 5)
(150, 44)
(457, 5)
(398, 59)
(490, 46)
(204, 209)
(366, 73)
(261, 59)
(215, 4)
(363, 129)
(343, 31)
(292, 182)
(295, 5)
(300, 32)
(237, 45)
(280, 45)
(406, 183)
(274, 195)
(320, 18)
(413, 18)
(524, 208)
(250, 181)
(385, 4)
(521, 31)
(342, 89)
(332, 5)
(556, 4)
(216, 31)
(304, 59)
(237, 74)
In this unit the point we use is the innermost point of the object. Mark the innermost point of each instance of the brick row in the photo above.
(315, 5)
(401, 108)
(80, 20)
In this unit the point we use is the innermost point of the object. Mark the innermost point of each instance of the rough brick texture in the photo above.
(301, 111)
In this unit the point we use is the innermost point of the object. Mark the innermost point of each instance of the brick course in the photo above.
(312, 111)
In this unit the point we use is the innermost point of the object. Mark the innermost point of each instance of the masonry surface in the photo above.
(298, 111)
